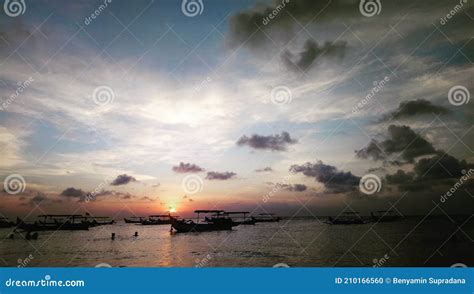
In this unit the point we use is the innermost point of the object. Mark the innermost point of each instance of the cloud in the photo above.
(329, 175)
(294, 188)
(122, 180)
(416, 108)
(73, 192)
(187, 168)
(303, 60)
(441, 166)
(265, 169)
(246, 27)
(272, 142)
(402, 140)
(400, 177)
(220, 176)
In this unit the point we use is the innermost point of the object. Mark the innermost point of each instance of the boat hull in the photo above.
(185, 227)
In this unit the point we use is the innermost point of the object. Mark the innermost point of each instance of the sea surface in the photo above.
(413, 241)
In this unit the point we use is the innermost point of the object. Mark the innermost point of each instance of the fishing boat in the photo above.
(243, 221)
(383, 216)
(134, 220)
(266, 218)
(158, 219)
(95, 221)
(6, 223)
(54, 222)
(217, 223)
(348, 218)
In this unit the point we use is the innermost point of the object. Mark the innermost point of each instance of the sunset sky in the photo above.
(150, 109)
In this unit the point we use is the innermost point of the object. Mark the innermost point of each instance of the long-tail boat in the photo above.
(54, 222)
(134, 220)
(158, 219)
(266, 218)
(219, 223)
(6, 223)
(348, 218)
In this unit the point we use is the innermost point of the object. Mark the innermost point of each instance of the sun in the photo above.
(172, 209)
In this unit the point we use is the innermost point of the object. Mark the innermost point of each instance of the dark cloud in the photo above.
(122, 180)
(246, 27)
(187, 168)
(272, 142)
(265, 169)
(220, 176)
(371, 151)
(73, 192)
(400, 177)
(330, 176)
(402, 140)
(441, 166)
(294, 188)
(303, 60)
(416, 108)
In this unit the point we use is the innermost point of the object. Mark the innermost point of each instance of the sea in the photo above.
(416, 241)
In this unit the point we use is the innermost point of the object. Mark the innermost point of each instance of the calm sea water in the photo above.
(414, 241)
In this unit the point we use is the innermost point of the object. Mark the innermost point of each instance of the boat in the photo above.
(383, 216)
(6, 223)
(244, 220)
(218, 223)
(158, 219)
(95, 221)
(348, 218)
(266, 218)
(55, 222)
(134, 220)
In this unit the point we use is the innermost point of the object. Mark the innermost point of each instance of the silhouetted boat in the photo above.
(134, 220)
(158, 219)
(55, 222)
(6, 223)
(383, 216)
(219, 223)
(348, 218)
(266, 218)
(95, 221)
(227, 214)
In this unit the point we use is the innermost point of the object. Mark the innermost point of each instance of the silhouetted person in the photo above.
(113, 236)
(136, 234)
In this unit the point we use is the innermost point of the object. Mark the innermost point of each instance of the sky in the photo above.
(124, 108)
